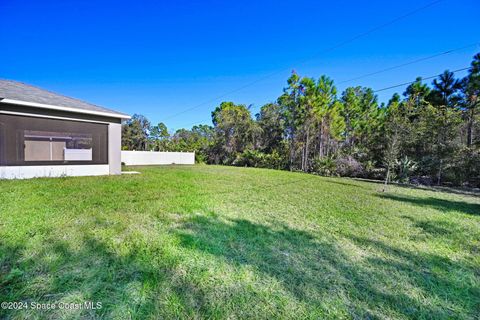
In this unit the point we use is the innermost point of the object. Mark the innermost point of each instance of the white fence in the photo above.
(143, 158)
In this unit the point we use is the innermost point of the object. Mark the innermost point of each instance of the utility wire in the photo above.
(193, 123)
(408, 63)
(332, 48)
(410, 82)
(382, 89)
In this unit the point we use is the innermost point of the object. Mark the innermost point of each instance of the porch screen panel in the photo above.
(40, 141)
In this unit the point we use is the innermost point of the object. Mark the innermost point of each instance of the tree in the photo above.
(272, 127)
(320, 122)
(312, 119)
(159, 137)
(416, 93)
(198, 140)
(432, 130)
(135, 133)
(204, 137)
(234, 131)
(471, 94)
(290, 103)
(396, 127)
(363, 118)
(326, 111)
(305, 118)
(444, 117)
(445, 89)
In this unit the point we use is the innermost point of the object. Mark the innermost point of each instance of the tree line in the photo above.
(428, 135)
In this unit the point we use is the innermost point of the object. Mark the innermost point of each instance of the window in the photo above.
(39, 141)
(57, 146)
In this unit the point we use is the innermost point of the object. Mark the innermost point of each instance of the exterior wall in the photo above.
(27, 172)
(140, 158)
(29, 140)
(114, 148)
(53, 164)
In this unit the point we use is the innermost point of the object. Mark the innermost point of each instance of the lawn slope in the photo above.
(218, 242)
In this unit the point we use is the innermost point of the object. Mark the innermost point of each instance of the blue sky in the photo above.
(158, 58)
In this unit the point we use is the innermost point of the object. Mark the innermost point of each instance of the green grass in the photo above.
(224, 242)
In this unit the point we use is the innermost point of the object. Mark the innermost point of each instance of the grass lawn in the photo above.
(224, 242)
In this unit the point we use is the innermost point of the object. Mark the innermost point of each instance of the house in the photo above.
(44, 134)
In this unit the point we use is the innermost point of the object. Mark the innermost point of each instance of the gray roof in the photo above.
(23, 92)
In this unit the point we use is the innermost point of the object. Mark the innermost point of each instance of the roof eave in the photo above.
(68, 109)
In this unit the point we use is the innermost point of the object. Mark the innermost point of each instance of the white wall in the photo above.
(27, 172)
(140, 158)
(114, 147)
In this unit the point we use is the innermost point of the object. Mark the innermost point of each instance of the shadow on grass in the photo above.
(129, 286)
(318, 272)
(474, 192)
(457, 191)
(433, 228)
(438, 204)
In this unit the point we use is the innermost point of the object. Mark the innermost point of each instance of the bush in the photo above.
(325, 166)
(376, 173)
(253, 158)
(405, 168)
(465, 168)
(349, 167)
(371, 171)
(422, 180)
(200, 158)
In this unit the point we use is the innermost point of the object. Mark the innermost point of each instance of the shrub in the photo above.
(405, 168)
(371, 171)
(253, 158)
(325, 166)
(348, 166)
(200, 157)
(465, 168)
(422, 180)
(376, 173)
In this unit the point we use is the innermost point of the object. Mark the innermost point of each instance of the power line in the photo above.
(332, 48)
(193, 123)
(410, 82)
(382, 89)
(408, 63)
(202, 122)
